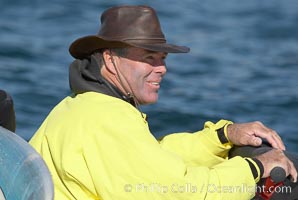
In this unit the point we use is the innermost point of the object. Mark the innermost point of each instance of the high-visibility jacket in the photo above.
(100, 147)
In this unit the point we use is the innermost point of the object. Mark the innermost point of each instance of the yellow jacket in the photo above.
(100, 147)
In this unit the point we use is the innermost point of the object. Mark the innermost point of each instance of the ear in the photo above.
(109, 61)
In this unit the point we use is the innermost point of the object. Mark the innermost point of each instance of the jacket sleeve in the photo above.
(120, 159)
(205, 142)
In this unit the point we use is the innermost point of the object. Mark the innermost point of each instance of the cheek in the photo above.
(148, 94)
(143, 92)
(139, 78)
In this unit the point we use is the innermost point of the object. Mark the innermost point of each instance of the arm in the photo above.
(200, 148)
(233, 134)
(136, 159)
(124, 161)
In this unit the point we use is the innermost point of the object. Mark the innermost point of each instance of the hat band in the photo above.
(145, 40)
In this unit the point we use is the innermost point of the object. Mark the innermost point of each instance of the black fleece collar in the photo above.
(85, 76)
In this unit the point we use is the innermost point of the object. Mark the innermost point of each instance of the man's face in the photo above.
(143, 71)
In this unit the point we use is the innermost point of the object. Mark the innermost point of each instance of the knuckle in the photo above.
(258, 123)
(273, 132)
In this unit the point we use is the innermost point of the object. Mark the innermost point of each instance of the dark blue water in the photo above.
(243, 63)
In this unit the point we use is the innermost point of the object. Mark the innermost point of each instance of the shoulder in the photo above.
(92, 106)
(95, 102)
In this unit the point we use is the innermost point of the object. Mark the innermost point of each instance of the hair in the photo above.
(120, 51)
(99, 58)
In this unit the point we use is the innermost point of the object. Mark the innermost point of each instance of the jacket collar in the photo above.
(85, 76)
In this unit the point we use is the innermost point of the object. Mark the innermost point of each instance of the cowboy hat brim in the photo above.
(85, 46)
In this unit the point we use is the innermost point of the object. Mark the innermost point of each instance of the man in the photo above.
(97, 143)
(7, 114)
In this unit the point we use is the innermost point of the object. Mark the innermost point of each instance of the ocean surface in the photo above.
(243, 64)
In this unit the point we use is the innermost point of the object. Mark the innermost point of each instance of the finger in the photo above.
(275, 143)
(255, 141)
(293, 172)
(271, 140)
(278, 142)
(272, 137)
(250, 140)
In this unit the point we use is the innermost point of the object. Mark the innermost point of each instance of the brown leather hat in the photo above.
(122, 26)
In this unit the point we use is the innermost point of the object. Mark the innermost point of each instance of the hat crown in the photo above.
(123, 26)
(131, 23)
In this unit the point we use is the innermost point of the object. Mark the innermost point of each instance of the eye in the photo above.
(150, 57)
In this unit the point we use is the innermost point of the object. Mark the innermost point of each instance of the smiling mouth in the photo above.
(155, 83)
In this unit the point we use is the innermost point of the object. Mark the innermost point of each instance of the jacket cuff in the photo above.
(222, 134)
(256, 167)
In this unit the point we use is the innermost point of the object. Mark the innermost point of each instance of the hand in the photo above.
(252, 134)
(276, 158)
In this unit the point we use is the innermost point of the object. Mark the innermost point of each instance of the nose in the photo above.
(161, 69)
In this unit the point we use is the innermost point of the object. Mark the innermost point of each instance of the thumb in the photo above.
(256, 141)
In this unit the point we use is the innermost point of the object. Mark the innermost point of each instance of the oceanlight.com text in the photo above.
(204, 188)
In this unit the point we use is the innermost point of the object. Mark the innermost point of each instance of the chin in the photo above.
(149, 101)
